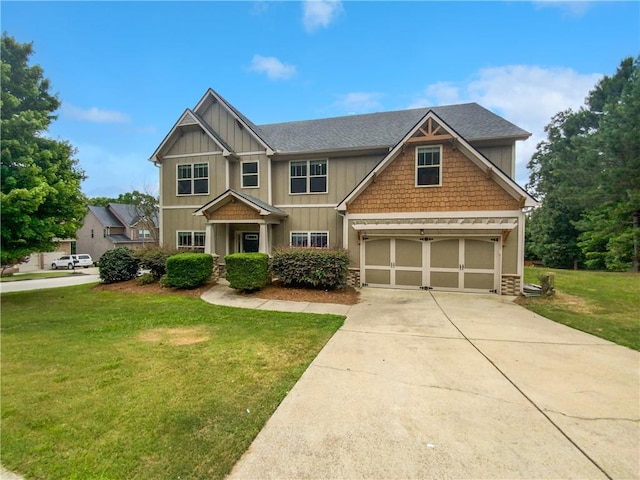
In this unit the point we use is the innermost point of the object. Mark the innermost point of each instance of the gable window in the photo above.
(193, 179)
(310, 239)
(191, 241)
(144, 233)
(250, 174)
(428, 166)
(308, 176)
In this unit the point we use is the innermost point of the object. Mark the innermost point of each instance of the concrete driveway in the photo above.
(421, 385)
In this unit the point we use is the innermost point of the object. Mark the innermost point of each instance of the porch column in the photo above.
(262, 242)
(210, 239)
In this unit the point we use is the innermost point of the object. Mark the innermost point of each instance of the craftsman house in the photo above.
(421, 198)
(116, 225)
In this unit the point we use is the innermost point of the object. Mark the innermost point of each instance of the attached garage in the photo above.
(449, 263)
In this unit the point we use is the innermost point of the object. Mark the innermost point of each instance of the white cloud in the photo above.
(94, 114)
(320, 13)
(573, 8)
(360, 102)
(272, 67)
(526, 95)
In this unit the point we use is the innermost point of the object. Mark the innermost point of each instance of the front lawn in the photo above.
(112, 385)
(604, 304)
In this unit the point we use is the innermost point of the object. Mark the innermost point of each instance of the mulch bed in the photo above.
(274, 291)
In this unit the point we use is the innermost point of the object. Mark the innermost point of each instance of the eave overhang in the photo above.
(448, 134)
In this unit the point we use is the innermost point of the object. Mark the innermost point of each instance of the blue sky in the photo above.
(125, 71)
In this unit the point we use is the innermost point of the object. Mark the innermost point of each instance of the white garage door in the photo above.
(451, 264)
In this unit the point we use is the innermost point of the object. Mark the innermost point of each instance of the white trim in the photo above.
(435, 226)
(160, 206)
(308, 234)
(345, 231)
(246, 154)
(509, 185)
(188, 155)
(242, 175)
(227, 174)
(308, 176)
(440, 166)
(269, 181)
(192, 232)
(193, 179)
(520, 258)
(457, 214)
(179, 207)
(310, 205)
(257, 221)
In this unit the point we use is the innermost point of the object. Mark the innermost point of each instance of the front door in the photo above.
(250, 242)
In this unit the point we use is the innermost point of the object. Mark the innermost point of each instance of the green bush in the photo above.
(154, 258)
(247, 271)
(311, 267)
(146, 279)
(188, 270)
(118, 265)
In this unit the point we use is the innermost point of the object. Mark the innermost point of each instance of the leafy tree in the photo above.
(587, 174)
(40, 179)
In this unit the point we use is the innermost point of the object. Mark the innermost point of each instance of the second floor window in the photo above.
(143, 233)
(428, 166)
(193, 179)
(250, 174)
(308, 176)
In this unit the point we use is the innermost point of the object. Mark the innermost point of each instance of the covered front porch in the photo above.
(237, 222)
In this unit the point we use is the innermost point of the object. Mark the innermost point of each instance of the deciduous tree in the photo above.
(40, 179)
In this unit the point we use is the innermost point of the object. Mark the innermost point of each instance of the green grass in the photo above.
(604, 304)
(17, 277)
(94, 386)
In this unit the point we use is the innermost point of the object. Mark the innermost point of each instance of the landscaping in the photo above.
(604, 304)
(108, 384)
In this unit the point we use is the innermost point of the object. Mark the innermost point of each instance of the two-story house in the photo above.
(116, 225)
(421, 198)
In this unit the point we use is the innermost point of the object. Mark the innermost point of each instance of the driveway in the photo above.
(439, 385)
(85, 275)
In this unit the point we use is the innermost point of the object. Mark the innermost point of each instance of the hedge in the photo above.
(118, 265)
(188, 270)
(311, 267)
(247, 271)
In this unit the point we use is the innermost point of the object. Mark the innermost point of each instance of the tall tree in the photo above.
(587, 175)
(40, 179)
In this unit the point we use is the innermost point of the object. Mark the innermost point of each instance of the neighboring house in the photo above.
(115, 225)
(421, 198)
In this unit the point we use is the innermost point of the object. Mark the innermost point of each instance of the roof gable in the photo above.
(432, 128)
(212, 96)
(264, 209)
(187, 119)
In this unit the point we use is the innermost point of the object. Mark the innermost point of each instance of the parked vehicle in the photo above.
(73, 261)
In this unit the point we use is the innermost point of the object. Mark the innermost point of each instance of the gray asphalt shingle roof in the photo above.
(386, 129)
(105, 217)
(260, 203)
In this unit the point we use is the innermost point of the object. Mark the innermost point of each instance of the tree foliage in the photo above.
(40, 179)
(587, 174)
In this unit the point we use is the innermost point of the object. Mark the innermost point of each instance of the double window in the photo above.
(310, 239)
(250, 174)
(308, 176)
(428, 166)
(191, 241)
(144, 233)
(193, 179)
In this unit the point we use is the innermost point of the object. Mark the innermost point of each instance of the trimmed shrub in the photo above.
(146, 279)
(154, 258)
(118, 265)
(311, 267)
(247, 271)
(188, 270)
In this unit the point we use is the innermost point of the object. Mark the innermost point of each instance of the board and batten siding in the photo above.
(310, 219)
(501, 156)
(225, 125)
(179, 219)
(168, 175)
(235, 176)
(344, 173)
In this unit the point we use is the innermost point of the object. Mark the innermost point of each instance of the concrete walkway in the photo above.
(437, 385)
